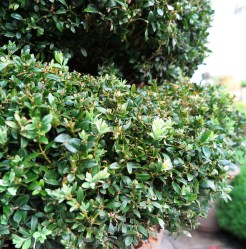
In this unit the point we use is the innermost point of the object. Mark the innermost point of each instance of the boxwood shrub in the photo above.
(145, 39)
(94, 162)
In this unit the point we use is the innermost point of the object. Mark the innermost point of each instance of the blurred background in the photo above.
(227, 40)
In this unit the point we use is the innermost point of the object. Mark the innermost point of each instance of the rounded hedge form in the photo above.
(232, 215)
(92, 162)
(145, 39)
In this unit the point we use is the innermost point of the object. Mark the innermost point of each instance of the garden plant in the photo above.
(232, 215)
(87, 158)
(145, 39)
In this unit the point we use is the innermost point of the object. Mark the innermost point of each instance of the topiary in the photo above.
(232, 215)
(145, 39)
(92, 162)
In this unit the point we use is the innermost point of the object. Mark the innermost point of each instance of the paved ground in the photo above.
(202, 240)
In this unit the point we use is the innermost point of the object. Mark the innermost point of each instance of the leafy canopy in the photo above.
(93, 162)
(145, 39)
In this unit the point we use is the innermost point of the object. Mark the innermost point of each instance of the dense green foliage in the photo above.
(232, 215)
(94, 162)
(145, 39)
(90, 162)
(243, 83)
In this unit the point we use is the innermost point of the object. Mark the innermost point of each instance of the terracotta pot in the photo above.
(153, 243)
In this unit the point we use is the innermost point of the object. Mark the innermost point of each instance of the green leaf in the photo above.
(136, 212)
(27, 244)
(4, 230)
(12, 190)
(34, 222)
(187, 234)
(8, 209)
(52, 177)
(47, 119)
(62, 138)
(61, 11)
(17, 16)
(9, 34)
(43, 139)
(91, 8)
(34, 186)
(149, 3)
(176, 187)
(3, 65)
(205, 136)
(133, 88)
(160, 12)
(12, 124)
(208, 184)
(128, 240)
(157, 205)
(161, 223)
(111, 228)
(30, 127)
(46, 123)
(83, 52)
(63, 2)
(142, 230)
(103, 174)
(22, 200)
(36, 235)
(113, 205)
(53, 77)
(90, 163)
(18, 216)
(182, 180)
(127, 126)
(102, 110)
(101, 126)
(87, 185)
(24, 142)
(206, 151)
(190, 177)
(121, 3)
(60, 26)
(40, 31)
(72, 144)
(59, 58)
(190, 197)
(80, 195)
(51, 98)
(17, 240)
(129, 167)
(143, 177)
(114, 165)
(111, 3)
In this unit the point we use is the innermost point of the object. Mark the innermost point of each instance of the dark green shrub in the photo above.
(243, 83)
(145, 39)
(232, 215)
(90, 162)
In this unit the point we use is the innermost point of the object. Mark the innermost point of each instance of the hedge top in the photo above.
(145, 39)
